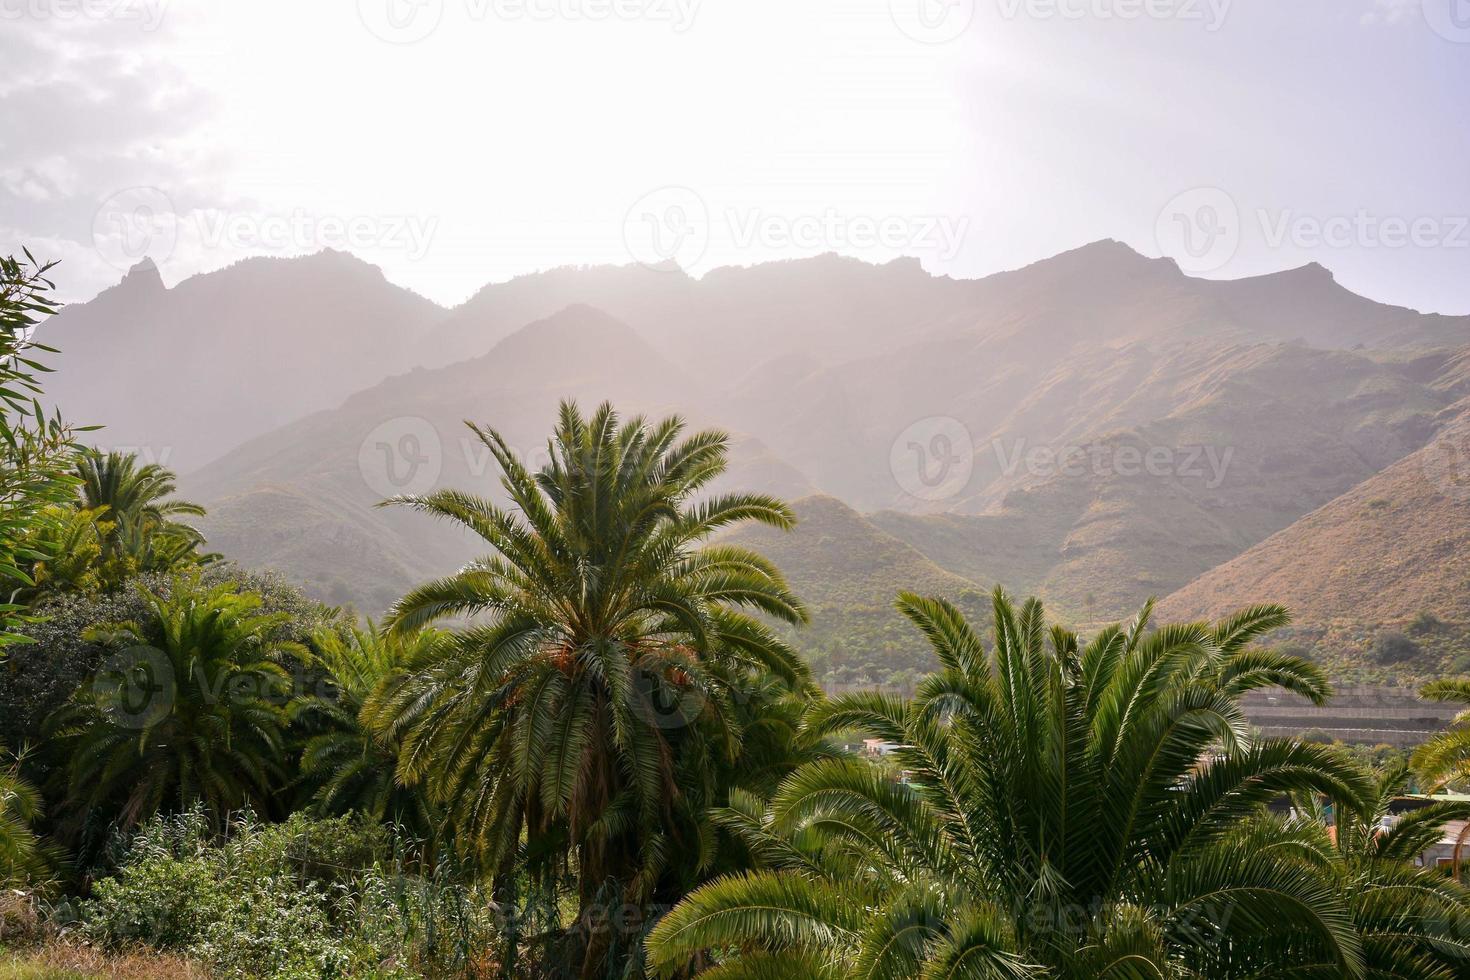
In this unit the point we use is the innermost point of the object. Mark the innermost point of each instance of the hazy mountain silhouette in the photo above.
(188, 373)
(344, 461)
(1267, 397)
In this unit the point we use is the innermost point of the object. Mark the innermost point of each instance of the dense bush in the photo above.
(1393, 647)
(300, 899)
(39, 677)
(1425, 623)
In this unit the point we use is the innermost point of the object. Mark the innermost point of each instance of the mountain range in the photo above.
(1095, 428)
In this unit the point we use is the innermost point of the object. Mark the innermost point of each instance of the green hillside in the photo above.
(849, 572)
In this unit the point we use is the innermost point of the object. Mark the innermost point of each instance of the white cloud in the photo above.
(1392, 11)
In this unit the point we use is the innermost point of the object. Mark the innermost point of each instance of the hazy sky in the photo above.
(455, 142)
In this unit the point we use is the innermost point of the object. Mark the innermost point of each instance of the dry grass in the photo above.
(67, 961)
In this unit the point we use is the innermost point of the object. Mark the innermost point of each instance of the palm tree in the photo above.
(1413, 921)
(115, 480)
(350, 766)
(578, 722)
(137, 503)
(23, 858)
(189, 709)
(1065, 811)
(1445, 758)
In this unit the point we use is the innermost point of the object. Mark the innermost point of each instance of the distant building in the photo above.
(876, 748)
(1453, 848)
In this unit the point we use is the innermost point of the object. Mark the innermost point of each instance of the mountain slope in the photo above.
(725, 323)
(316, 483)
(849, 572)
(185, 374)
(1388, 553)
(1125, 428)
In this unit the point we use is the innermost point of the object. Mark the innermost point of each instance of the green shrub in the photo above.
(1393, 647)
(165, 891)
(299, 900)
(1424, 624)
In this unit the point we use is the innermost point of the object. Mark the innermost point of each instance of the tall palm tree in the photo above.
(191, 707)
(349, 766)
(587, 699)
(1445, 758)
(1065, 811)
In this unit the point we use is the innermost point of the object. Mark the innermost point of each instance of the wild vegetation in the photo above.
(598, 751)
